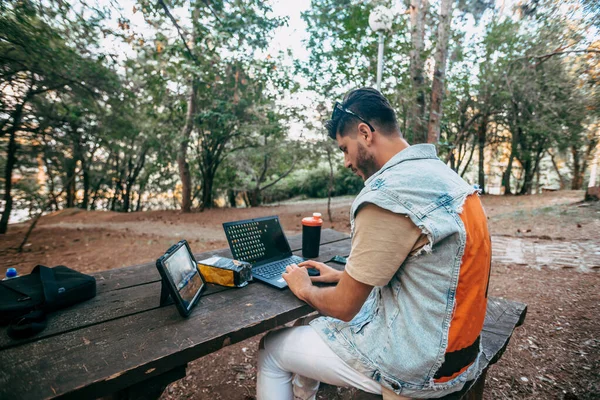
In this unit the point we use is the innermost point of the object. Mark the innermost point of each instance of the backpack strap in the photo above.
(49, 286)
(35, 322)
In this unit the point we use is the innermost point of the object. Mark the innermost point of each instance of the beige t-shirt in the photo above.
(381, 242)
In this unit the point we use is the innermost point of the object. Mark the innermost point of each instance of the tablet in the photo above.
(181, 277)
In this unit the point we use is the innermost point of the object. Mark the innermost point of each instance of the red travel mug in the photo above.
(311, 235)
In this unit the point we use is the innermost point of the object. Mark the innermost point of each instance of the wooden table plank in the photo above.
(113, 304)
(101, 359)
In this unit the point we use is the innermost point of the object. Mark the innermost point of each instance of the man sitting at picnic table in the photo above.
(405, 317)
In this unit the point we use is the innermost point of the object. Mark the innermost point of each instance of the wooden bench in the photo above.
(501, 319)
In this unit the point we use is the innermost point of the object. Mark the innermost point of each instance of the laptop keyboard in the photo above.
(277, 268)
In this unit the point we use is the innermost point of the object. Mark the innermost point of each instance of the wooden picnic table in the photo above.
(122, 343)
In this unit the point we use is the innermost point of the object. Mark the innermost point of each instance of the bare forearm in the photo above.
(325, 300)
(342, 301)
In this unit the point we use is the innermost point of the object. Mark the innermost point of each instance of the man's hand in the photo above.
(327, 274)
(297, 279)
(342, 301)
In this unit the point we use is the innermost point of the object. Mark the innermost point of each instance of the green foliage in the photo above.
(80, 128)
(314, 183)
(52, 88)
(344, 51)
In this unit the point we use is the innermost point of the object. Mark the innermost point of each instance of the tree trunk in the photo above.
(50, 180)
(246, 199)
(405, 117)
(481, 141)
(127, 199)
(254, 197)
(507, 175)
(530, 166)
(133, 173)
(594, 171)
(331, 182)
(138, 207)
(95, 196)
(561, 178)
(577, 182)
(513, 151)
(207, 191)
(118, 184)
(11, 158)
(182, 163)
(468, 160)
(439, 73)
(86, 185)
(231, 194)
(141, 190)
(113, 204)
(418, 11)
(452, 160)
(516, 137)
(588, 157)
(256, 194)
(528, 178)
(208, 166)
(17, 114)
(536, 165)
(70, 182)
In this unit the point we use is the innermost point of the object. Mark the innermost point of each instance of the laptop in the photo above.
(262, 243)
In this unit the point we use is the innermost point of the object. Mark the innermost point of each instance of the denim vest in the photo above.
(400, 335)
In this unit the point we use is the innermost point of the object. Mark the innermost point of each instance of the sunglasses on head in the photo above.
(338, 110)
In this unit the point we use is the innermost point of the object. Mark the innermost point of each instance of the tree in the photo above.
(418, 18)
(270, 158)
(217, 28)
(235, 115)
(26, 43)
(439, 72)
(549, 107)
(343, 54)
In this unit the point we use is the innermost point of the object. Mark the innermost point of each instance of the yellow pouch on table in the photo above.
(225, 271)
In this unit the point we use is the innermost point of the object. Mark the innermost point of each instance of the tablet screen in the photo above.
(184, 274)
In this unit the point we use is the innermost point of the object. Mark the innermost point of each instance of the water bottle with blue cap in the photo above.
(10, 274)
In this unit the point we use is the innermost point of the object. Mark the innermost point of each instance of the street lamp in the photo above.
(380, 20)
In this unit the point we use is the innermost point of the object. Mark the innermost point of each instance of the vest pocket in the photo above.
(356, 327)
(364, 317)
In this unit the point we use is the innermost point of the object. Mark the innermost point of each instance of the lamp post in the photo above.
(380, 20)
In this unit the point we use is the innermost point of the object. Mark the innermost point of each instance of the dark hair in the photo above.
(369, 104)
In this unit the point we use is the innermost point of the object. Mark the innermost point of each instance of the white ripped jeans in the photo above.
(295, 360)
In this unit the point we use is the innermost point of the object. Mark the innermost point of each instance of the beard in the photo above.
(365, 162)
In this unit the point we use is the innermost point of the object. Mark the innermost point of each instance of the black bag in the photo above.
(24, 301)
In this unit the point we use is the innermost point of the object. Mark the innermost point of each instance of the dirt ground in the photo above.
(555, 354)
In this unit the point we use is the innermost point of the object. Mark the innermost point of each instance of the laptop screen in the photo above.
(257, 240)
